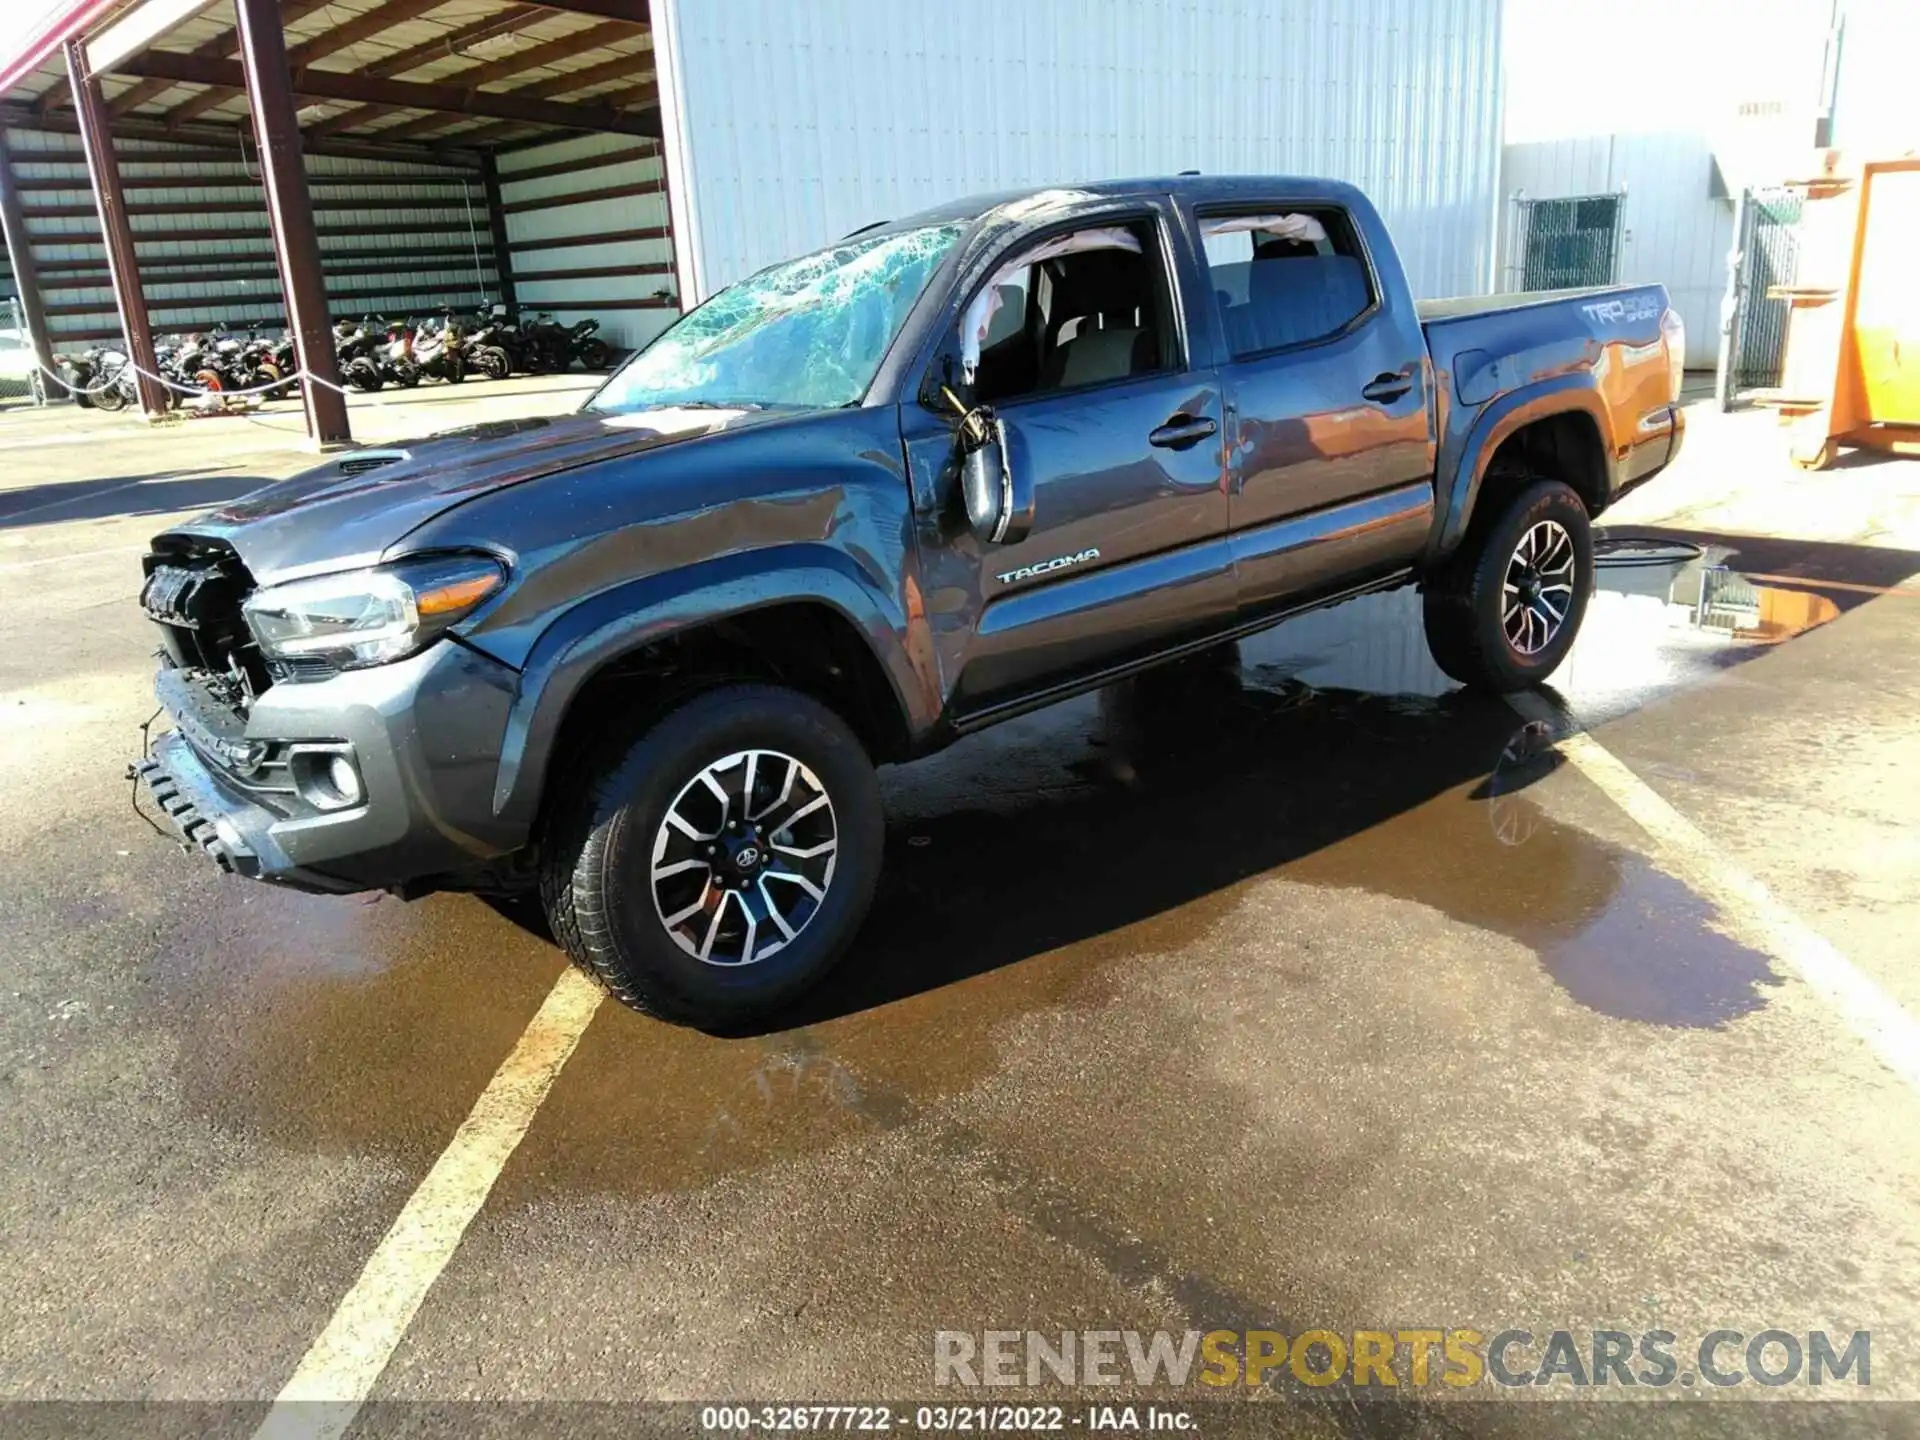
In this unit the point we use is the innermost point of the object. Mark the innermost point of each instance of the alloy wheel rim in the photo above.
(1537, 595)
(742, 863)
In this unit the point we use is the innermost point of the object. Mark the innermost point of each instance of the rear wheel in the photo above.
(493, 362)
(1504, 610)
(715, 867)
(364, 375)
(595, 354)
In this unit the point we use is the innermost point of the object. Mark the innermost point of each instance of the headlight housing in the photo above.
(359, 618)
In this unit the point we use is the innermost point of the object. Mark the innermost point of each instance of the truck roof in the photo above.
(1196, 189)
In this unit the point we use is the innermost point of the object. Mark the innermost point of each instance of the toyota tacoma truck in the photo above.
(642, 661)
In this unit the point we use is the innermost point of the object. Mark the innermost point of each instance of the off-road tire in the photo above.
(595, 866)
(1464, 601)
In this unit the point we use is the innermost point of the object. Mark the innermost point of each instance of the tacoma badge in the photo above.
(1059, 562)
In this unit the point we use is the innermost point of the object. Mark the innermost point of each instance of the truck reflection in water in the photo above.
(1333, 752)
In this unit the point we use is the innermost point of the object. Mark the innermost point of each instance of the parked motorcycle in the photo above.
(265, 367)
(395, 355)
(436, 350)
(353, 346)
(103, 378)
(521, 341)
(484, 354)
(589, 349)
(87, 374)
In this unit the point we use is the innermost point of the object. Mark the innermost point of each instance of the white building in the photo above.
(1739, 95)
(450, 166)
(788, 125)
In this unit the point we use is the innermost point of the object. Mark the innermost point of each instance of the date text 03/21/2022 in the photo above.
(944, 1419)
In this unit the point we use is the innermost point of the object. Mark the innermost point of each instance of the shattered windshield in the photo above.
(809, 332)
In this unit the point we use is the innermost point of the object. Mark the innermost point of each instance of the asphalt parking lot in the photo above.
(1290, 989)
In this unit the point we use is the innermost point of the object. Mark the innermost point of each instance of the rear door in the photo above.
(1327, 397)
(1121, 436)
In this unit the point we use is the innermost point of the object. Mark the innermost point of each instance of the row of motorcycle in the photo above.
(372, 353)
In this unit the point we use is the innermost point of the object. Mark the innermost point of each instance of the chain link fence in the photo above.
(1768, 247)
(1564, 244)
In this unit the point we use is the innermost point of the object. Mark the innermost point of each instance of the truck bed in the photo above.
(1492, 351)
(1462, 306)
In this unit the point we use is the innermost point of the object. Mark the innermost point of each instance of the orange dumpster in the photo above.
(1852, 369)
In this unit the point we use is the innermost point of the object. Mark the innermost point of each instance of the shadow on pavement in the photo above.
(121, 495)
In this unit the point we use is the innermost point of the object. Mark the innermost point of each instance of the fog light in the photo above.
(346, 779)
(327, 778)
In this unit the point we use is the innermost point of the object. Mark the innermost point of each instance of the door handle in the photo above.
(1388, 387)
(1182, 431)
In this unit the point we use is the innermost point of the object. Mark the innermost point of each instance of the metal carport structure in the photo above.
(229, 107)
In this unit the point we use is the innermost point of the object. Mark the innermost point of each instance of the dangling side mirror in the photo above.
(999, 501)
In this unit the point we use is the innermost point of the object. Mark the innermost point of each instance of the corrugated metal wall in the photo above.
(396, 238)
(587, 234)
(1675, 232)
(801, 122)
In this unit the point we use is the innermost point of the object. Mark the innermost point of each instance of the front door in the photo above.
(1086, 365)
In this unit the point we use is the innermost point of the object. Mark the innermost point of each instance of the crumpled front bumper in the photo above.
(425, 734)
(233, 831)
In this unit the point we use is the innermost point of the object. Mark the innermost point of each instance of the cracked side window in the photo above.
(809, 332)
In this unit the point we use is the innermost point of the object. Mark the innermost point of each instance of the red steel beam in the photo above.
(446, 155)
(225, 43)
(115, 232)
(263, 53)
(585, 163)
(347, 85)
(441, 47)
(497, 228)
(327, 42)
(634, 12)
(513, 67)
(54, 30)
(623, 67)
(582, 197)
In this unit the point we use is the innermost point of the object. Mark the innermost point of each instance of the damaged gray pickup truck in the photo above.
(644, 660)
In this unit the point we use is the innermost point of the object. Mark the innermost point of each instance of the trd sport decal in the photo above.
(1059, 562)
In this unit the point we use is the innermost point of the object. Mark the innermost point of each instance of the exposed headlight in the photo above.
(368, 617)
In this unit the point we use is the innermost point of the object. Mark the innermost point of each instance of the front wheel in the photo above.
(1504, 610)
(595, 354)
(715, 867)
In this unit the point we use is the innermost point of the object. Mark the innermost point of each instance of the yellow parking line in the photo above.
(339, 1371)
(1746, 905)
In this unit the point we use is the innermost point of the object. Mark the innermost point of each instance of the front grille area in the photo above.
(201, 706)
(193, 593)
(295, 668)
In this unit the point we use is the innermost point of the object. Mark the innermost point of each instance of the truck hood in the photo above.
(351, 510)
